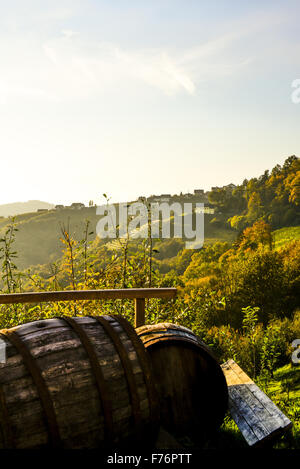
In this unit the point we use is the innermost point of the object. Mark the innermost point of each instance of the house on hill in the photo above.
(228, 188)
(77, 206)
(159, 198)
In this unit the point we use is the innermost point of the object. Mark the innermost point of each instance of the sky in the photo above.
(142, 97)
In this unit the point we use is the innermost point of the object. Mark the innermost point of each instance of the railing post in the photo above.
(139, 319)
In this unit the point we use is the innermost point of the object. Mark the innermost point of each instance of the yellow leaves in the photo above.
(227, 256)
(295, 189)
(257, 235)
(200, 282)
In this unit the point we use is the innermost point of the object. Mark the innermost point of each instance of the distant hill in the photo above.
(9, 210)
(39, 233)
(38, 238)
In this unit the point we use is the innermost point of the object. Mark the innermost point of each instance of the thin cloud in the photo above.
(157, 69)
(99, 65)
(71, 67)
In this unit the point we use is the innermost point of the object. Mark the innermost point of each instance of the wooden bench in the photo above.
(257, 417)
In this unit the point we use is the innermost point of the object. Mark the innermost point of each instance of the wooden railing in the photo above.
(137, 294)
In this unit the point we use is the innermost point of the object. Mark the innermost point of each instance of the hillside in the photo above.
(16, 208)
(38, 236)
(273, 198)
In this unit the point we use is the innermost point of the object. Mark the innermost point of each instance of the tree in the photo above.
(255, 208)
(259, 234)
(295, 189)
(255, 279)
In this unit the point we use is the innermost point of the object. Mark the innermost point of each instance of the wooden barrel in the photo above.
(81, 382)
(190, 382)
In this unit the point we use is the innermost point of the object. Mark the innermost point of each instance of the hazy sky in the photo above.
(144, 97)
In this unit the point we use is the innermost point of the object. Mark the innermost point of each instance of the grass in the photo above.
(285, 235)
(284, 390)
(281, 237)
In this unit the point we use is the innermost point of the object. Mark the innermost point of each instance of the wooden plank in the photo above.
(270, 406)
(242, 423)
(269, 422)
(139, 312)
(247, 412)
(239, 377)
(77, 295)
(258, 418)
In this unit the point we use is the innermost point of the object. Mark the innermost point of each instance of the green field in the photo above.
(285, 235)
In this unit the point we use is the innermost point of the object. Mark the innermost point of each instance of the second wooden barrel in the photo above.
(79, 382)
(190, 382)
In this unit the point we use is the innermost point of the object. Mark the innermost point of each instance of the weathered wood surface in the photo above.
(139, 312)
(191, 386)
(258, 418)
(77, 295)
(67, 372)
